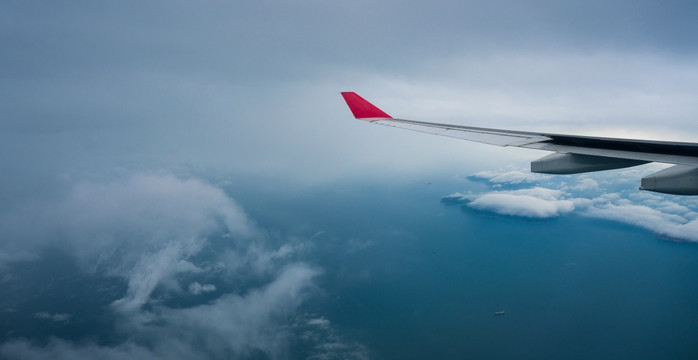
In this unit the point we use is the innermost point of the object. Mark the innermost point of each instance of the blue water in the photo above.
(411, 277)
(430, 277)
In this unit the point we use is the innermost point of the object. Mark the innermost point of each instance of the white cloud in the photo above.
(673, 226)
(633, 214)
(687, 231)
(196, 288)
(237, 323)
(321, 322)
(533, 203)
(143, 211)
(510, 176)
(149, 230)
(586, 184)
(233, 325)
(155, 268)
(143, 228)
(667, 216)
(326, 343)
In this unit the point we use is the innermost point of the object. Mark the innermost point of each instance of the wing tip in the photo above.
(362, 109)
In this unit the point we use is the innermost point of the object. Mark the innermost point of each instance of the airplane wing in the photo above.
(572, 154)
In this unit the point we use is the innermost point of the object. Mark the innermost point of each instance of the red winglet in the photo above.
(363, 109)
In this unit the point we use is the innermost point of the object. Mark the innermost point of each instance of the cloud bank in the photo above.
(608, 198)
(167, 238)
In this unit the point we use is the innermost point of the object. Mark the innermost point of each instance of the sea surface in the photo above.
(405, 275)
(425, 278)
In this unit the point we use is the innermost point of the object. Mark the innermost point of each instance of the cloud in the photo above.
(632, 214)
(53, 317)
(141, 210)
(125, 113)
(155, 268)
(89, 88)
(667, 216)
(531, 203)
(196, 288)
(321, 322)
(158, 232)
(144, 228)
(10, 258)
(237, 326)
(657, 220)
(586, 184)
(233, 323)
(325, 343)
(509, 176)
(58, 349)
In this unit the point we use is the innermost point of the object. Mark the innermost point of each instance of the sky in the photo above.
(137, 137)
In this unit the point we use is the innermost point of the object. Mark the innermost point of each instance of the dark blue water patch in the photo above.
(34, 292)
(565, 295)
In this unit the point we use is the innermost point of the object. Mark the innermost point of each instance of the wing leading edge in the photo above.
(573, 154)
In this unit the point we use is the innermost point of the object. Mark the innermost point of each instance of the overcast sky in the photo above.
(253, 86)
(124, 125)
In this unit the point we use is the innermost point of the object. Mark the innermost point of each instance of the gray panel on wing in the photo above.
(621, 154)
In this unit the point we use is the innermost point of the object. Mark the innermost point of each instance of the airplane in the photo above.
(573, 154)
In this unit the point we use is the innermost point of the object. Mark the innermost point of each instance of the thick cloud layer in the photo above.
(144, 228)
(150, 230)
